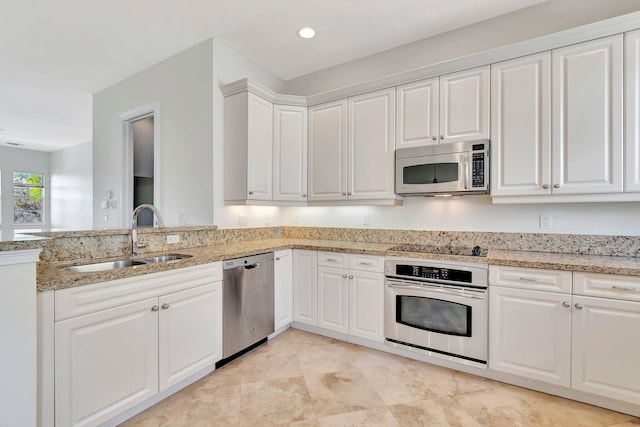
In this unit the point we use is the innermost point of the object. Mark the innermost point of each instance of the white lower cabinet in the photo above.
(349, 293)
(283, 288)
(587, 343)
(305, 287)
(149, 333)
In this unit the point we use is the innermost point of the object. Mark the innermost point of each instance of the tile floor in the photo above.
(302, 379)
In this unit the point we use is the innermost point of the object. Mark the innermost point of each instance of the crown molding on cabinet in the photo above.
(245, 85)
(607, 27)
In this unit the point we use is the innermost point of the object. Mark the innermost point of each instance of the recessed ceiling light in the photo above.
(307, 33)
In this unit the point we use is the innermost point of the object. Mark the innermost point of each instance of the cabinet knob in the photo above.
(344, 276)
(304, 195)
(545, 186)
(154, 308)
(277, 258)
(434, 137)
(556, 185)
(579, 306)
(350, 276)
(348, 193)
(441, 136)
(165, 306)
(250, 192)
(344, 194)
(566, 304)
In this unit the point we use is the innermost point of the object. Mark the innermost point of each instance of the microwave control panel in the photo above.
(477, 166)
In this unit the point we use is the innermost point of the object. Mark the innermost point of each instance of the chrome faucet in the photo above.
(159, 223)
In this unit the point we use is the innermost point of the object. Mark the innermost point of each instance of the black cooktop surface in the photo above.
(441, 250)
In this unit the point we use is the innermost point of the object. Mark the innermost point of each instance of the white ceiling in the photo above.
(55, 54)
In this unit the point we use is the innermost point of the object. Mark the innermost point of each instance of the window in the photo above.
(28, 196)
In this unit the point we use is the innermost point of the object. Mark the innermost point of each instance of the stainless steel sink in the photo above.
(124, 263)
(104, 266)
(165, 258)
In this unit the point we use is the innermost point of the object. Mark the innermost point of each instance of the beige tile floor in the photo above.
(302, 379)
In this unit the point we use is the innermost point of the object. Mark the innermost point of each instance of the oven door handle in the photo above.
(433, 289)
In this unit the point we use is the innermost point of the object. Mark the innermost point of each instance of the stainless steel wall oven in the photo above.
(437, 308)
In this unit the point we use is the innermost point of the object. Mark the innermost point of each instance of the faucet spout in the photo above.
(159, 223)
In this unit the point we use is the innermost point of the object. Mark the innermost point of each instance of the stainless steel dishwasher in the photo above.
(247, 295)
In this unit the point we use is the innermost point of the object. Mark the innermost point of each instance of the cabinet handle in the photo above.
(579, 306)
(441, 136)
(348, 193)
(332, 259)
(545, 186)
(154, 308)
(250, 193)
(556, 185)
(304, 195)
(344, 276)
(350, 276)
(344, 194)
(624, 288)
(277, 258)
(165, 306)
(566, 304)
(528, 279)
(364, 262)
(434, 137)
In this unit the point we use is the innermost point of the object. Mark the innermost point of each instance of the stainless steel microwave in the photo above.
(453, 168)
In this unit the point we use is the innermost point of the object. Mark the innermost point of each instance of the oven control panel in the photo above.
(435, 273)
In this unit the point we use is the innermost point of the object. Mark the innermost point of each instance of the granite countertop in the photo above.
(52, 277)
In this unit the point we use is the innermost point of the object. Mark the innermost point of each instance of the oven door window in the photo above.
(434, 315)
(430, 173)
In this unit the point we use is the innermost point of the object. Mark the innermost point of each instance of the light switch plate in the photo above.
(173, 238)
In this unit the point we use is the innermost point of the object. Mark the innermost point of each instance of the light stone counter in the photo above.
(52, 277)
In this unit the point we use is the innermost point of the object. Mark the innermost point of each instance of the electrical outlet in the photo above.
(545, 221)
(242, 220)
(173, 238)
(366, 219)
(183, 218)
(267, 220)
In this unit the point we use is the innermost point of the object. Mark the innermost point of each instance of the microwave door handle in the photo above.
(465, 165)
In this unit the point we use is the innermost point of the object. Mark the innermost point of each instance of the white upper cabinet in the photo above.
(587, 117)
(632, 131)
(351, 149)
(464, 105)
(417, 113)
(520, 126)
(290, 153)
(248, 148)
(371, 146)
(328, 151)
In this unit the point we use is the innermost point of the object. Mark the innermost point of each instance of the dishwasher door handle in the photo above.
(252, 266)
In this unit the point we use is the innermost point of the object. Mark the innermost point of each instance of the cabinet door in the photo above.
(417, 113)
(105, 363)
(464, 105)
(632, 107)
(333, 299)
(259, 148)
(189, 334)
(530, 334)
(371, 163)
(289, 153)
(283, 288)
(305, 287)
(366, 305)
(520, 126)
(328, 151)
(606, 348)
(587, 117)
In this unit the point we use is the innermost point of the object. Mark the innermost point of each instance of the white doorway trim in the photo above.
(151, 109)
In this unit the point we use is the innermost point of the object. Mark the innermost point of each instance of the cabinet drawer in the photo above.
(607, 286)
(333, 259)
(530, 278)
(366, 263)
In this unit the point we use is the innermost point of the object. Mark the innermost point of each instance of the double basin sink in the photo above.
(124, 263)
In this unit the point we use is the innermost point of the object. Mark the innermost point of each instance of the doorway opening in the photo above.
(141, 163)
